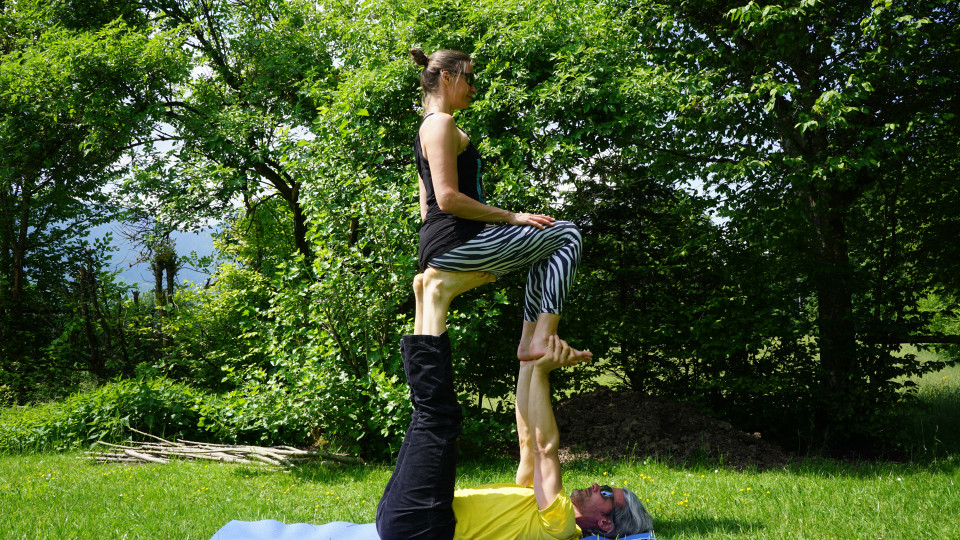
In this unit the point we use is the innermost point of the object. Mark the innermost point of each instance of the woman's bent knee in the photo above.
(570, 231)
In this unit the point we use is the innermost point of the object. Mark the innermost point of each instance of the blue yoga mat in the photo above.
(641, 536)
(269, 529)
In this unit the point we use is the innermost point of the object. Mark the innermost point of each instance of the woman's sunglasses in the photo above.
(470, 78)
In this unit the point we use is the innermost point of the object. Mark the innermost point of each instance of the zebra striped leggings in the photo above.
(553, 255)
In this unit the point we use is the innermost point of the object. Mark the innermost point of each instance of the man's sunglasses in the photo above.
(606, 492)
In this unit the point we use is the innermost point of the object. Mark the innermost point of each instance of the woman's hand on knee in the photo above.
(539, 221)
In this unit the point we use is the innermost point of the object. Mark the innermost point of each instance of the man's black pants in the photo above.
(417, 502)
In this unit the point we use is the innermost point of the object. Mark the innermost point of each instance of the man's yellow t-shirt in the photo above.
(509, 511)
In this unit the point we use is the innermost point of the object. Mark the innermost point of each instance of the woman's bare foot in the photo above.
(526, 336)
(535, 339)
(538, 348)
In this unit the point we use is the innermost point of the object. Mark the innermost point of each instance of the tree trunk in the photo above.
(158, 290)
(18, 252)
(289, 189)
(160, 301)
(300, 225)
(831, 279)
(87, 291)
(137, 347)
(171, 266)
(95, 289)
(127, 368)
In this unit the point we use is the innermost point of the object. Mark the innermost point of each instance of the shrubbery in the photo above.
(257, 414)
(158, 406)
(261, 413)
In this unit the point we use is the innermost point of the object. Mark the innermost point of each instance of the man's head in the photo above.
(610, 511)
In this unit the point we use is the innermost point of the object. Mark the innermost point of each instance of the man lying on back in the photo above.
(419, 501)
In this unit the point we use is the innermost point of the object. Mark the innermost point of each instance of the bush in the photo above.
(157, 406)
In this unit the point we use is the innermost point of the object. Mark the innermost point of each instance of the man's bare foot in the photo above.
(418, 285)
(439, 288)
(447, 285)
(418, 295)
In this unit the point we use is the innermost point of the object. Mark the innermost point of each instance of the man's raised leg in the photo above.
(417, 502)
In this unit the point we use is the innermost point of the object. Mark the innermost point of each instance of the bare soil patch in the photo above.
(606, 425)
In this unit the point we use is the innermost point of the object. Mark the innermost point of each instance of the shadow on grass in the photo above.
(319, 473)
(932, 423)
(667, 528)
(868, 469)
(801, 466)
(492, 469)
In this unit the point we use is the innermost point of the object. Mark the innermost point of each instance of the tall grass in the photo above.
(933, 421)
(56, 496)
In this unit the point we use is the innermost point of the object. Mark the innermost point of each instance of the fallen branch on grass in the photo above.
(163, 451)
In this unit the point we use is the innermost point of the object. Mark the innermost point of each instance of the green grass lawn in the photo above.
(60, 497)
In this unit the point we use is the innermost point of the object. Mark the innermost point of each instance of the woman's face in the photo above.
(462, 88)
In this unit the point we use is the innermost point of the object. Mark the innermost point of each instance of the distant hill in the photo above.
(125, 256)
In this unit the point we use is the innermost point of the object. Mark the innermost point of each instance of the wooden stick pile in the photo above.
(163, 451)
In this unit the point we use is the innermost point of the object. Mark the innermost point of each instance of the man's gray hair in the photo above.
(631, 518)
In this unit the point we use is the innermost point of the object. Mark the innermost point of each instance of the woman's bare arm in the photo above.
(441, 143)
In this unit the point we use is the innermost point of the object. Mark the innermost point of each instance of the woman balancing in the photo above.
(460, 245)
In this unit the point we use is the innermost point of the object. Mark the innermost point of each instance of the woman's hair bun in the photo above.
(419, 57)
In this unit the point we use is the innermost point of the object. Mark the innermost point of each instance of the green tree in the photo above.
(809, 108)
(810, 127)
(76, 92)
(234, 128)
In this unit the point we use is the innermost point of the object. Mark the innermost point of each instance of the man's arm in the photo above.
(525, 469)
(544, 435)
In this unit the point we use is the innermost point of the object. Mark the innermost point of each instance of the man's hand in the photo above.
(559, 354)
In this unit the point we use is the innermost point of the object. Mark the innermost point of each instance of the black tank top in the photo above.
(443, 231)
